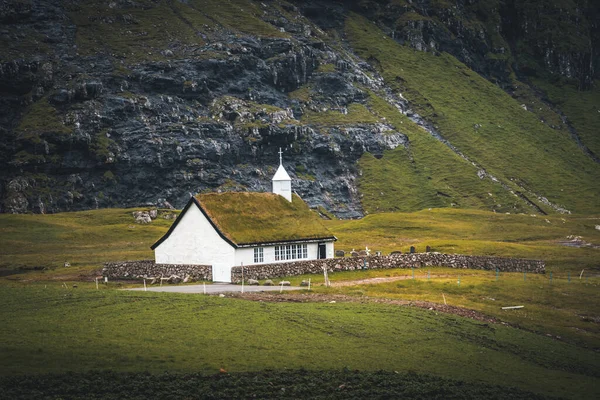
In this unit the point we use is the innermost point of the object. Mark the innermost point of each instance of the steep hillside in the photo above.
(379, 105)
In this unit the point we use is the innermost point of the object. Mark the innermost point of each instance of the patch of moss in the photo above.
(22, 158)
(303, 93)
(326, 68)
(252, 125)
(410, 16)
(102, 147)
(306, 177)
(41, 118)
(108, 176)
(239, 15)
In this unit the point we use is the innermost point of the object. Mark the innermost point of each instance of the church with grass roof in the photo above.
(243, 229)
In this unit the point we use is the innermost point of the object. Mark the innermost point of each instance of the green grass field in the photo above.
(53, 329)
(302, 383)
(548, 348)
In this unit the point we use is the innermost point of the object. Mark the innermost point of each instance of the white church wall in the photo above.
(245, 255)
(313, 251)
(330, 249)
(283, 188)
(195, 241)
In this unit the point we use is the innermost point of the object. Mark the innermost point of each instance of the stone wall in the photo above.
(148, 269)
(416, 260)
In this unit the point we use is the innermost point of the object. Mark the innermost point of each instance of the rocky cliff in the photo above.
(146, 102)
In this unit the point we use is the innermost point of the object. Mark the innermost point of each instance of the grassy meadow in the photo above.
(547, 348)
(58, 330)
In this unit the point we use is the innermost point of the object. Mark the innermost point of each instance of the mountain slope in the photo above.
(484, 122)
(379, 105)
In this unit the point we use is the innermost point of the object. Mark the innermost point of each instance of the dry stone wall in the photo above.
(148, 269)
(416, 260)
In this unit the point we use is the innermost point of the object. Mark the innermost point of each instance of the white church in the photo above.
(233, 229)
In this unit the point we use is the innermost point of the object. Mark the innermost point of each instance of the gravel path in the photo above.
(215, 288)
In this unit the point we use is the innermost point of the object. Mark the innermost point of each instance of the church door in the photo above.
(221, 273)
(322, 251)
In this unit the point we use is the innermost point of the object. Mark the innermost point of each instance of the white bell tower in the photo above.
(282, 183)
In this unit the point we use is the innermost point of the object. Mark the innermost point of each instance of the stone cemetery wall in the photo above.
(148, 269)
(416, 260)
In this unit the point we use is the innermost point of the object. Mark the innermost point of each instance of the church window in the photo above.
(259, 255)
(291, 252)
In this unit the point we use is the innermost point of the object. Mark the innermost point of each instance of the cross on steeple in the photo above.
(280, 157)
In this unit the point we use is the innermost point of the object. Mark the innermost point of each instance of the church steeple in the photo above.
(282, 183)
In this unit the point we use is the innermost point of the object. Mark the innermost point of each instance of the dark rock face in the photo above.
(82, 132)
(85, 127)
(494, 37)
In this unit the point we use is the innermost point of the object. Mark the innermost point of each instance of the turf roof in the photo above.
(247, 218)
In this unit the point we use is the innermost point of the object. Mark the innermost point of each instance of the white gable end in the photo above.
(195, 241)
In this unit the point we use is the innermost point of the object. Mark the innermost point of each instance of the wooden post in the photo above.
(204, 285)
(326, 277)
(96, 283)
(145, 288)
(242, 277)
(281, 287)
(309, 283)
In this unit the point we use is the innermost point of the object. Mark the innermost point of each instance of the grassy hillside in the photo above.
(582, 109)
(425, 174)
(483, 122)
(80, 238)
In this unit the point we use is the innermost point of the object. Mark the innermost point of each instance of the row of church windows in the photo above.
(291, 252)
(287, 252)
